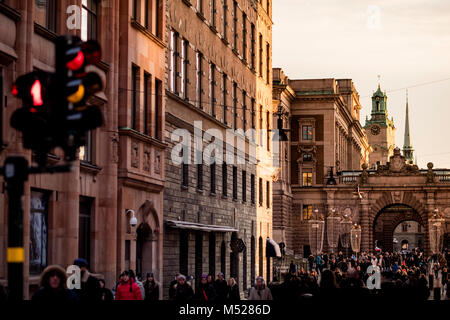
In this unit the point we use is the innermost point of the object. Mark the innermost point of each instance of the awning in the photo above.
(199, 226)
(272, 249)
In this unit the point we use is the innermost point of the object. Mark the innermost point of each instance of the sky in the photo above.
(406, 42)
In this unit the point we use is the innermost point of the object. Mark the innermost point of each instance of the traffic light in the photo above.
(33, 118)
(77, 80)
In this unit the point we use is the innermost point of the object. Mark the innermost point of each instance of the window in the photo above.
(213, 177)
(225, 23)
(213, 15)
(84, 228)
(173, 61)
(244, 186)
(244, 36)
(184, 252)
(200, 6)
(184, 172)
(307, 212)
(261, 134)
(307, 157)
(253, 114)
(268, 194)
(235, 7)
(199, 79)
(89, 20)
(198, 257)
(200, 173)
(45, 14)
(244, 110)
(224, 97)
(223, 257)
(235, 183)
(307, 133)
(212, 253)
(252, 47)
(268, 63)
(224, 179)
(252, 259)
(147, 100)
(244, 269)
(38, 231)
(307, 178)
(87, 150)
(134, 96)
(260, 191)
(235, 114)
(252, 188)
(159, 18)
(260, 55)
(261, 252)
(404, 227)
(184, 68)
(148, 15)
(268, 130)
(158, 108)
(212, 88)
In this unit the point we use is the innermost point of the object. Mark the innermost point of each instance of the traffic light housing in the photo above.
(55, 112)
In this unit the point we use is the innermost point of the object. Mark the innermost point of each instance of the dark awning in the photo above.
(198, 226)
(272, 249)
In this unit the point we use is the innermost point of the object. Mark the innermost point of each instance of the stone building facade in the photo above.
(325, 132)
(83, 213)
(216, 83)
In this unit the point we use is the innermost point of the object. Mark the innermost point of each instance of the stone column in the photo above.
(365, 226)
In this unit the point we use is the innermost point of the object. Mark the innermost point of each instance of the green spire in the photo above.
(379, 112)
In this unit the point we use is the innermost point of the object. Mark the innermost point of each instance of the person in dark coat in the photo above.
(90, 286)
(105, 293)
(221, 288)
(54, 287)
(183, 291)
(172, 287)
(205, 291)
(151, 288)
(233, 290)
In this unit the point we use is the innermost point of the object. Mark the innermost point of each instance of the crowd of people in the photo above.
(326, 276)
(407, 275)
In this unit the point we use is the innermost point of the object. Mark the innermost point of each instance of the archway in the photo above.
(408, 235)
(392, 217)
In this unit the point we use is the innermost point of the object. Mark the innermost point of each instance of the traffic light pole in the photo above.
(16, 171)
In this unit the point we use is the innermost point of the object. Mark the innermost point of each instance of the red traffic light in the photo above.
(36, 93)
(78, 61)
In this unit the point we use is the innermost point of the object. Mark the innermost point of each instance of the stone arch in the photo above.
(147, 214)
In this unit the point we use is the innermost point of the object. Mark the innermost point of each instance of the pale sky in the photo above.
(407, 42)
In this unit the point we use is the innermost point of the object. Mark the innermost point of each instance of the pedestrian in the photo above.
(260, 291)
(138, 282)
(53, 285)
(151, 288)
(105, 293)
(172, 287)
(205, 291)
(90, 286)
(233, 290)
(128, 289)
(221, 287)
(292, 267)
(183, 290)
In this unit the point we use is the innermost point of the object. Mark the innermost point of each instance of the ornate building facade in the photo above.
(84, 213)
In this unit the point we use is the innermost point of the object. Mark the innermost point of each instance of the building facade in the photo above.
(218, 96)
(325, 132)
(83, 213)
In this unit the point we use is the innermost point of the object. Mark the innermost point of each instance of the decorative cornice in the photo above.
(135, 24)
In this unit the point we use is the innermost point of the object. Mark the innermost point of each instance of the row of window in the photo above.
(247, 35)
(149, 13)
(181, 84)
(146, 119)
(213, 184)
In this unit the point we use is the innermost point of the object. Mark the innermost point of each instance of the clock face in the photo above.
(375, 130)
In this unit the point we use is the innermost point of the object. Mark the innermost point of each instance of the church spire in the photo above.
(408, 150)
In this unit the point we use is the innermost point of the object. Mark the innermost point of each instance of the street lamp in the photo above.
(355, 238)
(345, 229)
(333, 230)
(316, 231)
(436, 226)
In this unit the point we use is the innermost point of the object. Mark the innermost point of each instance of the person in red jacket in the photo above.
(128, 289)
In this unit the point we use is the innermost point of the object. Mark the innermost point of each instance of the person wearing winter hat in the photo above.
(205, 291)
(151, 288)
(221, 287)
(54, 286)
(90, 286)
(183, 291)
(260, 291)
(128, 289)
(172, 287)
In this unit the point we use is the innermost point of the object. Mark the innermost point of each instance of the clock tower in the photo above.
(380, 130)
